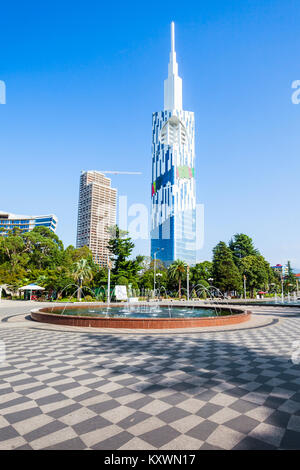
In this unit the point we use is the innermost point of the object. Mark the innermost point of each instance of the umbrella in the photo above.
(32, 287)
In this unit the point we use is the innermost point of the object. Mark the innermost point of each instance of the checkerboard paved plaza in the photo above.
(228, 390)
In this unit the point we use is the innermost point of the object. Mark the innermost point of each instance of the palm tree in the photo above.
(81, 272)
(177, 272)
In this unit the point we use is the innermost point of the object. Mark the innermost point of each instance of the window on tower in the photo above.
(173, 132)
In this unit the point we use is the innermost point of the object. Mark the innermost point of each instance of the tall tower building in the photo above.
(173, 218)
(96, 212)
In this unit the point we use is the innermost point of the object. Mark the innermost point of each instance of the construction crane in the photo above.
(121, 172)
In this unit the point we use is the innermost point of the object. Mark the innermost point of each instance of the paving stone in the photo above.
(161, 436)
(234, 389)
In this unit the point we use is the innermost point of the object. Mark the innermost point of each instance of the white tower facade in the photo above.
(173, 232)
(173, 84)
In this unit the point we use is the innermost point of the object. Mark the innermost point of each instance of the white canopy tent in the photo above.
(30, 288)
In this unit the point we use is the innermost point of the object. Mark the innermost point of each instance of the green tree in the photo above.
(146, 280)
(13, 250)
(257, 273)
(100, 277)
(120, 247)
(201, 273)
(241, 246)
(290, 283)
(44, 247)
(39, 256)
(146, 274)
(177, 272)
(225, 274)
(81, 272)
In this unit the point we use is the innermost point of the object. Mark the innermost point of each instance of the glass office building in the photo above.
(173, 192)
(26, 223)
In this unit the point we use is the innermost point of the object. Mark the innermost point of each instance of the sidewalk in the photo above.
(13, 307)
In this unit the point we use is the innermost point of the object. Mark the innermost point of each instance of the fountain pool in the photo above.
(145, 316)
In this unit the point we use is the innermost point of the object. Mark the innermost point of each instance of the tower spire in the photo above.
(172, 37)
(173, 84)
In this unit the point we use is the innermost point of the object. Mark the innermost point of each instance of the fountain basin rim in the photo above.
(43, 315)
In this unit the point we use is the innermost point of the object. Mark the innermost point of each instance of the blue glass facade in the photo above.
(25, 223)
(173, 190)
(173, 234)
(163, 241)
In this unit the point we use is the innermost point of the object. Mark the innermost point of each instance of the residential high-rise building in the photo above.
(282, 270)
(173, 224)
(96, 213)
(26, 223)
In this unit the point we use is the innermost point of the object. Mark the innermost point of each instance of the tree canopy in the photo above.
(225, 273)
(177, 271)
(40, 257)
(124, 270)
(241, 246)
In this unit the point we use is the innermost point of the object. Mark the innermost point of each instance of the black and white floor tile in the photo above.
(218, 390)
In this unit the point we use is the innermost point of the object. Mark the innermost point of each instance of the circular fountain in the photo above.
(152, 315)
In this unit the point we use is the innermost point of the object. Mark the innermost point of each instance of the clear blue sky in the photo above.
(83, 79)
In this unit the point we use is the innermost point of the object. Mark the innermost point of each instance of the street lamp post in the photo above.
(154, 280)
(245, 291)
(108, 279)
(159, 275)
(188, 282)
(80, 288)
